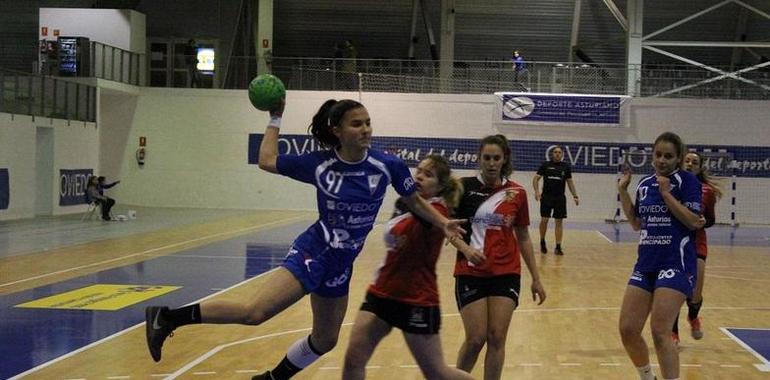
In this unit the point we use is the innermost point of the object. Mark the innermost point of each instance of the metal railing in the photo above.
(37, 95)
(490, 76)
(116, 64)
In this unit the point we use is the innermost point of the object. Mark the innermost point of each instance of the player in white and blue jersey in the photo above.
(350, 180)
(667, 213)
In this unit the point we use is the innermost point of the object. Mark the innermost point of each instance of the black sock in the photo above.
(693, 309)
(542, 242)
(284, 370)
(558, 245)
(675, 329)
(184, 315)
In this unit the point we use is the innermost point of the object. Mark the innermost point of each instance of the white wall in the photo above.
(76, 146)
(17, 153)
(197, 143)
(120, 28)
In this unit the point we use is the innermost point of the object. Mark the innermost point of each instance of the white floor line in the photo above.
(247, 371)
(153, 250)
(221, 347)
(204, 373)
(604, 236)
(119, 333)
(765, 363)
(331, 368)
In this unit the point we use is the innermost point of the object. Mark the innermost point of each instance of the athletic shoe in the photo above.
(265, 376)
(558, 251)
(695, 328)
(543, 248)
(157, 329)
(675, 338)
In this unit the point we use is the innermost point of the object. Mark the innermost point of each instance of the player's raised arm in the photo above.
(268, 149)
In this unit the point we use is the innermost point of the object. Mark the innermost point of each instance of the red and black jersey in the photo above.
(408, 273)
(709, 202)
(492, 214)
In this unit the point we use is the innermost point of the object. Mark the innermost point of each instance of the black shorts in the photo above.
(555, 207)
(424, 320)
(470, 288)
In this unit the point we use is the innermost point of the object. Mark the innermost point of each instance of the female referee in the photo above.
(667, 213)
(350, 180)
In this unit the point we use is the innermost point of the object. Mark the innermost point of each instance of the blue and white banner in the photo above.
(585, 157)
(562, 109)
(5, 190)
(72, 186)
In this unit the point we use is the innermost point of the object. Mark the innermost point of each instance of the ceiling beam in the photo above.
(618, 14)
(686, 19)
(723, 74)
(755, 10)
(573, 39)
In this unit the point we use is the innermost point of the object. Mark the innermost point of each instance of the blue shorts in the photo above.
(319, 270)
(672, 278)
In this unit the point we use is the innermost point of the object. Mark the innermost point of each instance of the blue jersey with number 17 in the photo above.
(349, 195)
(664, 242)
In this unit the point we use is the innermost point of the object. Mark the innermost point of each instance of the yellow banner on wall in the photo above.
(100, 297)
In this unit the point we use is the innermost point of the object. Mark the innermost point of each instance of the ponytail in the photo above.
(453, 190)
(329, 116)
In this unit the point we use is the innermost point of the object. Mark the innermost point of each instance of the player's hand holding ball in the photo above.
(267, 93)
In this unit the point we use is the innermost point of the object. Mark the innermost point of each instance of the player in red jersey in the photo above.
(404, 293)
(693, 163)
(487, 293)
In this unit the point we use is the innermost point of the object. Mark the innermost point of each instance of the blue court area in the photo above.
(32, 336)
(746, 236)
(756, 341)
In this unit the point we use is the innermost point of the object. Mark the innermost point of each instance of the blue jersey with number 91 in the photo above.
(349, 195)
(664, 242)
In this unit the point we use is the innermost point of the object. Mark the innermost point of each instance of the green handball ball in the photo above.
(266, 92)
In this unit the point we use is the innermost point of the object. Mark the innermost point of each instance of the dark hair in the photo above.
(675, 140)
(100, 178)
(452, 188)
(501, 142)
(550, 153)
(329, 116)
(705, 176)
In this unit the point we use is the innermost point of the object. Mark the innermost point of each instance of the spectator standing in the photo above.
(519, 66)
